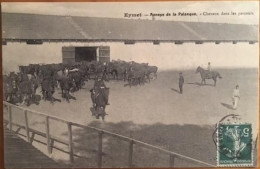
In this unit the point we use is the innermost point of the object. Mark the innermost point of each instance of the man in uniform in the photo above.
(100, 85)
(236, 97)
(181, 82)
(209, 67)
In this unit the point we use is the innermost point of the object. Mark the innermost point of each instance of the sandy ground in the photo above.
(155, 113)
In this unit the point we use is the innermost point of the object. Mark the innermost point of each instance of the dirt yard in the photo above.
(155, 113)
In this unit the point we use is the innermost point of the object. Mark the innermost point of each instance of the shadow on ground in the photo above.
(177, 91)
(190, 140)
(199, 84)
(227, 106)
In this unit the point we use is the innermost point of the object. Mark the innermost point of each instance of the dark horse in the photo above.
(66, 84)
(48, 89)
(205, 74)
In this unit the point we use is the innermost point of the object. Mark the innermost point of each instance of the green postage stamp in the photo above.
(234, 144)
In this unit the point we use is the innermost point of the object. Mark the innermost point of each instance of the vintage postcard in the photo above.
(130, 84)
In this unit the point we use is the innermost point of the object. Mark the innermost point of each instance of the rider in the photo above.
(209, 67)
(100, 85)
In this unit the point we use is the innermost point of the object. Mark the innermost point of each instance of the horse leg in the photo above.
(114, 76)
(103, 113)
(58, 84)
(148, 76)
(131, 82)
(49, 94)
(67, 93)
(215, 81)
(11, 98)
(28, 100)
(62, 93)
(5, 97)
(45, 95)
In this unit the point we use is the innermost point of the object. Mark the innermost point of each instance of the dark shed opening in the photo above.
(85, 54)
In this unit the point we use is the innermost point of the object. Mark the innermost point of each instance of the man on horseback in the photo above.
(99, 96)
(209, 67)
(99, 85)
(205, 74)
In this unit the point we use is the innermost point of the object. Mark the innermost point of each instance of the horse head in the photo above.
(198, 69)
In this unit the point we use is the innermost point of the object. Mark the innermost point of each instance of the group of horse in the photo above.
(22, 86)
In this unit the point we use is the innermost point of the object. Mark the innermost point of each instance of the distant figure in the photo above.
(209, 67)
(106, 72)
(181, 81)
(236, 97)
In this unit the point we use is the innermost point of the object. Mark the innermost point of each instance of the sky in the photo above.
(249, 9)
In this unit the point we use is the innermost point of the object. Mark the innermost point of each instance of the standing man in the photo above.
(236, 97)
(181, 81)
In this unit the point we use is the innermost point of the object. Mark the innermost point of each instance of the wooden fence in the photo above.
(69, 142)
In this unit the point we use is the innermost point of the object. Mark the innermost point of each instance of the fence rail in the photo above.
(50, 139)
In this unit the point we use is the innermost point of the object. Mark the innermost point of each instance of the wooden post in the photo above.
(171, 161)
(48, 135)
(10, 117)
(26, 126)
(99, 160)
(70, 142)
(130, 154)
(32, 138)
(52, 144)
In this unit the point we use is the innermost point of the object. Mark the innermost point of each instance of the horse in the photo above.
(118, 70)
(77, 79)
(48, 89)
(34, 86)
(136, 78)
(10, 88)
(27, 90)
(205, 74)
(153, 70)
(66, 84)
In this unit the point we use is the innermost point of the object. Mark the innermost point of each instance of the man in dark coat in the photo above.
(100, 85)
(181, 81)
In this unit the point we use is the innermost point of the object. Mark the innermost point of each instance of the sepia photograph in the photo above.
(130, 84)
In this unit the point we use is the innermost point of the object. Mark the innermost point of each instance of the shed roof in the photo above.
(51, 27)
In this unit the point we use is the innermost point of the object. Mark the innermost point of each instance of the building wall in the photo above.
(166, 55)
